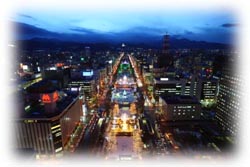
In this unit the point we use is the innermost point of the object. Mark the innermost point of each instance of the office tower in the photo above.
(165, 60)
(228, 108)
(165, 47)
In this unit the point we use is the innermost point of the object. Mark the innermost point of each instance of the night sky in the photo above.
(94, 26)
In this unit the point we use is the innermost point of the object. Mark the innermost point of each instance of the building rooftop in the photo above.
(180, 100)
(37, 110)
(44, 86)
(83, 78)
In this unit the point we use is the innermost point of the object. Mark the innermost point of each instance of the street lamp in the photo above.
(110, 62)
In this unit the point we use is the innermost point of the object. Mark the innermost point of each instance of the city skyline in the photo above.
(126, 103)
(121, 85)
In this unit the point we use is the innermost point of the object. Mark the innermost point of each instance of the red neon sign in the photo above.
(55, 96)
(59, 64)
(46, 98)
(49, 98)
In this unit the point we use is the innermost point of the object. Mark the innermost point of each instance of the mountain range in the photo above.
(32, 37)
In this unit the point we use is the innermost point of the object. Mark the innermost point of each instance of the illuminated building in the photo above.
(180, 108)
(25, 83)
(87, 86)
(103, 74)
(207, 91)
(168, 87)
(188, 90)
(83, 79)
(124, 67)
(46, 121)
(194, 87)
(102, 80)
(228, 109)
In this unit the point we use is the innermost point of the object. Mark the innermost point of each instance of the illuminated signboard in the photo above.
(25, 67)
(59, 64)
(38, 75)
(87, 73)
(46, 98)
(164, 79)
(50, 97)
(53, 68)
(74, 89)
(55, 96)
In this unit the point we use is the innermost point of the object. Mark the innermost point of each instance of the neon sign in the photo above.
(55, 96)
(46, 98)
(50, 97)
(59, 64)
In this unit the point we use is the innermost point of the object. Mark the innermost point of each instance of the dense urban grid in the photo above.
(125, 102)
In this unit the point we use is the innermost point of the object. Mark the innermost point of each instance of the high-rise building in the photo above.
(165, 47)
(165, 60)
(228, 104)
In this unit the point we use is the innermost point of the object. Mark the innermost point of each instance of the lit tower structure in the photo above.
(165, 60)
(165, 47)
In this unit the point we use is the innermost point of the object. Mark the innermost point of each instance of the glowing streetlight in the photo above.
(125, 78)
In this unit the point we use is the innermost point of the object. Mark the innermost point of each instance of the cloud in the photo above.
(133, 35)
(27, 16)
(187, 32)
(229, 25)
(177, 36)
(23, 29)
(145, 30)
(29, 29)
(212, 34)
(82, 30)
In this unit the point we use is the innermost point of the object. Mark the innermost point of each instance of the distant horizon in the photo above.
(135, 27)
(39, 42)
